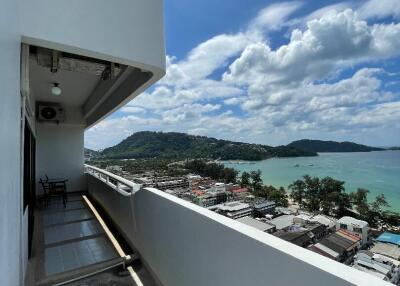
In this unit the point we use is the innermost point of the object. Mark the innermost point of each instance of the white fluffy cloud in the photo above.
(274, 95)
(380, 9)
(334, 41)
(272, 17)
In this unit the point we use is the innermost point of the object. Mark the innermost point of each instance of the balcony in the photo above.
(183, 244)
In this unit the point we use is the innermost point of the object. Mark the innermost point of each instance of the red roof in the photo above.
(241, 190)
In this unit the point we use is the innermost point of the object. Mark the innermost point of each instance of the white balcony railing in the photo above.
(184, 244)
(119, 184)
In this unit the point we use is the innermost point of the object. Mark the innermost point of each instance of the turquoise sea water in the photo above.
(378, 172)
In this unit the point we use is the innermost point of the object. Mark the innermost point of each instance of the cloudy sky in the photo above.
(272, 72)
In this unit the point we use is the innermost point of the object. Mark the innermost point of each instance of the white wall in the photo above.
(10, 186)
(130, 32)
(60, 154)
(126, 31)
(185, 244)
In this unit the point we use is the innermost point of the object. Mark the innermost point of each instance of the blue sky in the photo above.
(272, 72)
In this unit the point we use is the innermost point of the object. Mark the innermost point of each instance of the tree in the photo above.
(379, 203)
(256, 181)
(298, 192)
(279, 196)
(329, 194)
(375, 211)
(229, 175)
(245, 179)
(312, 193)
(343, 203)
(359, 199)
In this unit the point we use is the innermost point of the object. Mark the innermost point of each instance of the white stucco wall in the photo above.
(126, 31)
(10, 185)
(60, 154)
(185, 244)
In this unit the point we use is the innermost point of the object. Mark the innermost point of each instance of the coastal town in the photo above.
(346, 239)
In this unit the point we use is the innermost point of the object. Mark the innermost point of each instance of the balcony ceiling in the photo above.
(93, 87)
(76, 86)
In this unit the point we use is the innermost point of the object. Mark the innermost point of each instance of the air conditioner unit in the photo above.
(49, 111)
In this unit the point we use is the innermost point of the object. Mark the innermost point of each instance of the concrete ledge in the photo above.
(185, 244)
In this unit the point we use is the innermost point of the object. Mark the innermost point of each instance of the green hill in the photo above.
(394, 148)
(331, 146)
(89, 153)
(174, 145)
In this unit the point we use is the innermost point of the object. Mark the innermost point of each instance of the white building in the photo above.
(381, 266)
(358, 227)
(65, 66)
(235, 209)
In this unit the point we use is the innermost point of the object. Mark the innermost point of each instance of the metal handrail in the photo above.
(123, 186)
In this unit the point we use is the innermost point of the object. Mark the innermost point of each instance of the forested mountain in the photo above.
(394, 148)
(331, 146)
(89, 153)
(148, 144)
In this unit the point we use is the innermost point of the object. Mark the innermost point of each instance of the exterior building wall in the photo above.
(60, 154)
(184, 244)
(10, 145)
(363, 234)
(129, 32)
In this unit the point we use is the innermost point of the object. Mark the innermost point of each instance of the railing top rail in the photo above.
(131, 185)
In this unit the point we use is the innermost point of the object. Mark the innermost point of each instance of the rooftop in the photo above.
(241, 190)
(256, 223)
(329, 222)
(390, 238)
(387, 249)
(282, 221)
(263, 204)
(233, 206)
(353, 221)
(338, 243)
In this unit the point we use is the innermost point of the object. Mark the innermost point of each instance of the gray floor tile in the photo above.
(77, 254)
(52, 218)
(58, 206)
(59, 233)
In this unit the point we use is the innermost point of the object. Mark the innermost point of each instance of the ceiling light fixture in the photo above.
(56, 90)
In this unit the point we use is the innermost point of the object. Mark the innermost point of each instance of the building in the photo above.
(175, 183)
(240, 193)
(318, 230)
(234, 210)
(324, 251)
(100, 55)
(378, 265)
(282, 221)
(388, 237)
(211, 198)
(302, 219)
(260, 225)
(329, 222)
(219, 187)
(261, 208)
(301, 238)
(338, 246)
(388, 249)
(357, 227)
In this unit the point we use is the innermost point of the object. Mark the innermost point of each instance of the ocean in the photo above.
(379, 172)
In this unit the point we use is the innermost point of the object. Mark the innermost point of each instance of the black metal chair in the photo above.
(54, 188)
